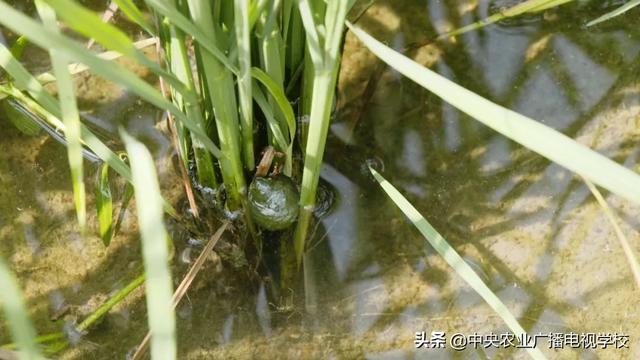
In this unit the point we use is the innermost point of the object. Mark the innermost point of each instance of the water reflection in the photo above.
(529, 228)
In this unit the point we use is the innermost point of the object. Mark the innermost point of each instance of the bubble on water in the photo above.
(71, 332)
(231, 215)
(185, 256)
(193, 242)
(326, 196)
(373, 162)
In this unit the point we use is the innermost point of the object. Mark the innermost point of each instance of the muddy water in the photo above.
(529, 228)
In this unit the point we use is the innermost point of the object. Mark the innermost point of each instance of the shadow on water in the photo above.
(528, 227)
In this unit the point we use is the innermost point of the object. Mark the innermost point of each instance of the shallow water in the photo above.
(529, 228)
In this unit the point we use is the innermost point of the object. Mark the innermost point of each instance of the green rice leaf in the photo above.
(314, 42)
(132, 12)
(243, 41)
(540, 138)
(104, 204)
(18, 22)
(451, 256)
(18, 46)
(70, 116)
(281, 98)
(155, 253)
(619, 11)
(16, 315)
(267, 111)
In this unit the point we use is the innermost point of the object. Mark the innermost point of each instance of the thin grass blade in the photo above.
(243, 42)
(451, 256)
(634, 265)
(279, 96)
(540, 138)
(104, 204)
(161, 316)
(133, 13)
(16, 315)
(273, 124)
(619, 11)
(70, 116)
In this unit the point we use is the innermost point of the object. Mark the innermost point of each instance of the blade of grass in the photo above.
(626, 247)
(181, 67)
(132, 12)
(243, 41)
(104, 205)
(540, 138)
(271, 51)
(273, 124)
(277, 92)
(155, 253)
(108, 14)
(451, 256)
(619, 11)
(16, 315)
(70, 117)
(325, 56)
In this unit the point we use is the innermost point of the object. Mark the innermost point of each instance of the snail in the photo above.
(273, 199)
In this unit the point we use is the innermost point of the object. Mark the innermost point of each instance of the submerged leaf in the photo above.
(104, 204)
(451, 256)
(19, 119)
